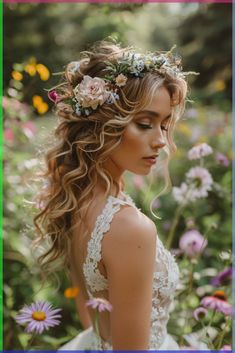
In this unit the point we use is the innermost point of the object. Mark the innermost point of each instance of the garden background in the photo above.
(43, 39)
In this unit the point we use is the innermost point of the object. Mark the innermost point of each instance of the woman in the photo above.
(117, 111)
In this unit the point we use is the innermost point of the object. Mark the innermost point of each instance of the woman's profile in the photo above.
(117, 112)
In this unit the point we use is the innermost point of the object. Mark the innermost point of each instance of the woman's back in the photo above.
(100, 256)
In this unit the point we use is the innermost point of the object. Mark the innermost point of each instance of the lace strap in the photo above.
(94, 278)
(103, 223)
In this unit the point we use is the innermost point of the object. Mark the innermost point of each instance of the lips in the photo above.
(151, 159)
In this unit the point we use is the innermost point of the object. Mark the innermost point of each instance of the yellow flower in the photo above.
(179, 153)
(71, 292)
(42, 108)
(17, 75)
(30, 69)
(184, 129)
(43, 72)
(220, 85)
(230, 154)
(203, 139)
(37, 100)
(39, 315)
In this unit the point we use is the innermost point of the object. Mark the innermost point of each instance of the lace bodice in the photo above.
(166, 274)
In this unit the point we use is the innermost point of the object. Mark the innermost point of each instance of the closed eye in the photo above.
(144, 126)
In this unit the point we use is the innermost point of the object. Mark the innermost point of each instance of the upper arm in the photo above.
(129, 256)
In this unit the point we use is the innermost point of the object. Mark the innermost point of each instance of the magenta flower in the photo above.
(38, 316)
(222, 159)
(222, 276)
(200, 313)
(99, 303)
(199, 151)
(217, 302)
(226, 347)
(53, 96)
(29, 129)
(8, 134)
(192, 243)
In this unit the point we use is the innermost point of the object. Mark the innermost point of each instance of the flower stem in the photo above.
(97, 323)
(191, 279)
(29, 343)
(207, 327)
(173, 227)
(221, 336)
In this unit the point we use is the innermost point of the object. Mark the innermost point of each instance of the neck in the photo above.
(115, 172)
(116, 176)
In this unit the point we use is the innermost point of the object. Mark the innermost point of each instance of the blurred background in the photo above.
(39, 40)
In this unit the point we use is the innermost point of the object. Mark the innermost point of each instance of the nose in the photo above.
(158, 140)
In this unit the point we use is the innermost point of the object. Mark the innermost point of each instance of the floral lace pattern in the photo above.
(166, 275)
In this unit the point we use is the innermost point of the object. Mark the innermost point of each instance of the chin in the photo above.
(142, 171)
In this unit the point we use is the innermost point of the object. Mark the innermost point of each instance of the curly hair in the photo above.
(74, 165)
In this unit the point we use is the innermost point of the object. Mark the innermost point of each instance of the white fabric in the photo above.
(166, 277)
(87, 338)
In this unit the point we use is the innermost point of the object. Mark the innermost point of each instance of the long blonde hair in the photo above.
(74, 164)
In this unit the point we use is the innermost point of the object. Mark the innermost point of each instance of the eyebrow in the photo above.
(152, 113)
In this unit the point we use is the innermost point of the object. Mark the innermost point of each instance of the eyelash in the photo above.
(143, 126)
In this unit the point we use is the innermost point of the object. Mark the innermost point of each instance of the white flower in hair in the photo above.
(91, 92)
(120, 80)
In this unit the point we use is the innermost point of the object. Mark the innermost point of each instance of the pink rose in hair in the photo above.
(91, 92)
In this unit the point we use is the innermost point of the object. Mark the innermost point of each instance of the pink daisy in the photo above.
(99, 303)
(201, 150)
(200, 181)
(217, 302)
(192, 243)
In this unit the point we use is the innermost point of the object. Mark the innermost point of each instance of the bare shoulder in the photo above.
(129, 230)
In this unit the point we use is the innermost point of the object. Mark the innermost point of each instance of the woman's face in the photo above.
(143, 138)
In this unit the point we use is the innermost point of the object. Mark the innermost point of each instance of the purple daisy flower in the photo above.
(222, 277)
(38, 316)
(99, 303)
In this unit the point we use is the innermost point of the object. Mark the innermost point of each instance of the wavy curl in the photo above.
(75, 163)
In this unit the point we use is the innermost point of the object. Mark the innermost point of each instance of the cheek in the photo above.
(133, 138)
(132, 147)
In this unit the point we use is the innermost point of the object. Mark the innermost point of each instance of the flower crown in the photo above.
(91, 93)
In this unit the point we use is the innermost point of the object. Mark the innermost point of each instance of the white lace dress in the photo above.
(166, 277)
